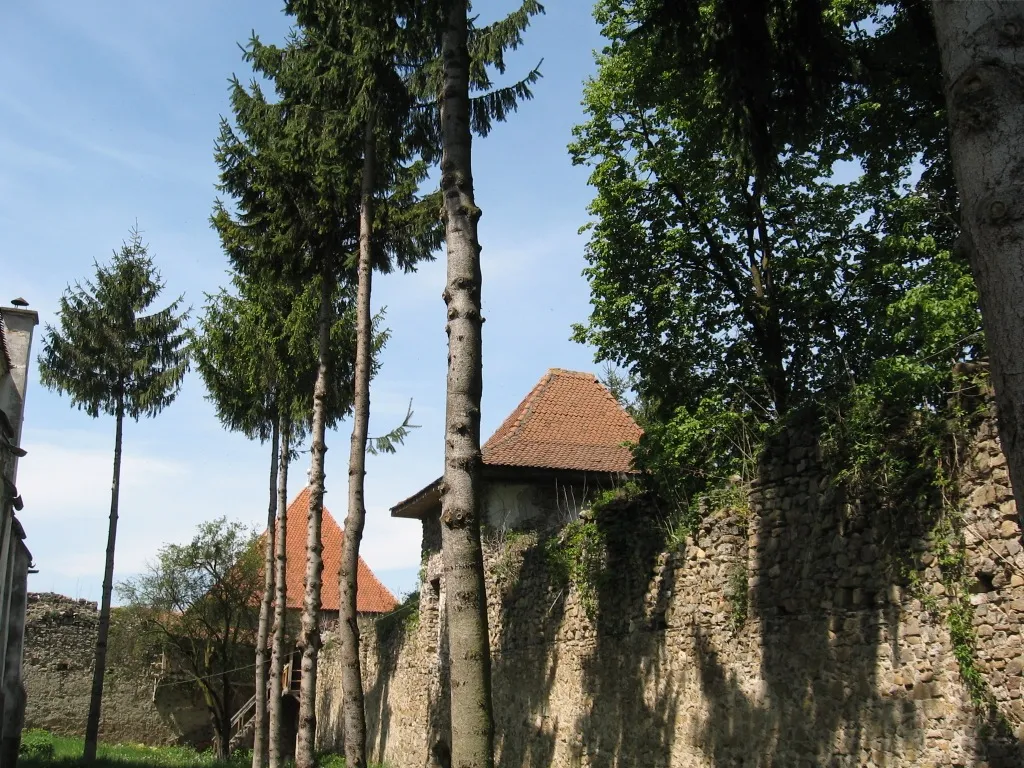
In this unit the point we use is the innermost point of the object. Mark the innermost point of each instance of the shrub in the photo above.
(36, 745)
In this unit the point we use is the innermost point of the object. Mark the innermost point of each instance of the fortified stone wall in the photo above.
(790, 634)
(140, 704)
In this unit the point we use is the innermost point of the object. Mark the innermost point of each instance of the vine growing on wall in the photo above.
(576, 557)
(910, 462)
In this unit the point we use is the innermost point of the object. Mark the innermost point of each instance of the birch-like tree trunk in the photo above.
(92, 725)
(982, 47)
(348, 627)
(305, 745)
(259, 747)
(279, 652)
(469, 652)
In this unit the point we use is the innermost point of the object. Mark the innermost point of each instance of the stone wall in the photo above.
(140, 703)
(789, 634)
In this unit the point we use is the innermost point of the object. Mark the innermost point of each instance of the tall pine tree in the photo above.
(111, 356)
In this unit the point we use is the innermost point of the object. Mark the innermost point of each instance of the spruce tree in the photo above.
(362, 39)
(111, 356)
(242, 357)
(293, 169)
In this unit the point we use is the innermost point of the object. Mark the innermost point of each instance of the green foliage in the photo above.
(201, 600)
(389, 442)
(621, 494)
(405, 617)
(511, 544)
(330, 760)
(292, 161)
(576, 557)
(109, 355)
(36, 745)
(750, 264)
(66, 752)
(257, 354)
(694, 452)
(40, 749)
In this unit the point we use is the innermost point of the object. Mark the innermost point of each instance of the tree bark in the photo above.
(469, 652)
(224, 732)
(278, 653)
(305, 745)
(981, 43)
(259, 745)
(348, 627)
(92, 725)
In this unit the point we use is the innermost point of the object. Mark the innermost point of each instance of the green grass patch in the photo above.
(40, 749)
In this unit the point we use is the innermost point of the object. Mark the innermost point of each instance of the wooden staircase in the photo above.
(243, 724)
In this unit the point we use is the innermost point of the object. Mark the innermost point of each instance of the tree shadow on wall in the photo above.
(525, 656)
(821, 616)
(826, 619)
(391, 637)
(631, 695)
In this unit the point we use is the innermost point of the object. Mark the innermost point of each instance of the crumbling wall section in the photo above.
(140, 704)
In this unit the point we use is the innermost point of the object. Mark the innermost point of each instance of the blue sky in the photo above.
(107, 117)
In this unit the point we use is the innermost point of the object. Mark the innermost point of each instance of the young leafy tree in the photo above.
(947, 60)
(110, 356)
(200, 599)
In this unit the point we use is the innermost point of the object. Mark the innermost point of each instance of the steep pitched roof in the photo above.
(371, 595)
(568, 421)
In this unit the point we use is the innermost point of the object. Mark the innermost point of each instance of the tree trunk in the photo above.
(982, 48)
(259, 744)
(305, 744)
(92, 725)
(278, 653)
(224, 732)
(469, 652)
(348, 627)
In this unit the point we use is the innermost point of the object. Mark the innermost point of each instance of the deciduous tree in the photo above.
(202, 600)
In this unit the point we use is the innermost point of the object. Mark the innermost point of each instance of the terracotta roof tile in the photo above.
(371, 595)
(568, 421)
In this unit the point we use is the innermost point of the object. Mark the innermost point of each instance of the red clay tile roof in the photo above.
(371, 595)
(568, 421)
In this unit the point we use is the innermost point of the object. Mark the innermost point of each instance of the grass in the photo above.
(40, 749)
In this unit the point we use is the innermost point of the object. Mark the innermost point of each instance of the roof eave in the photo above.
(417, 506)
